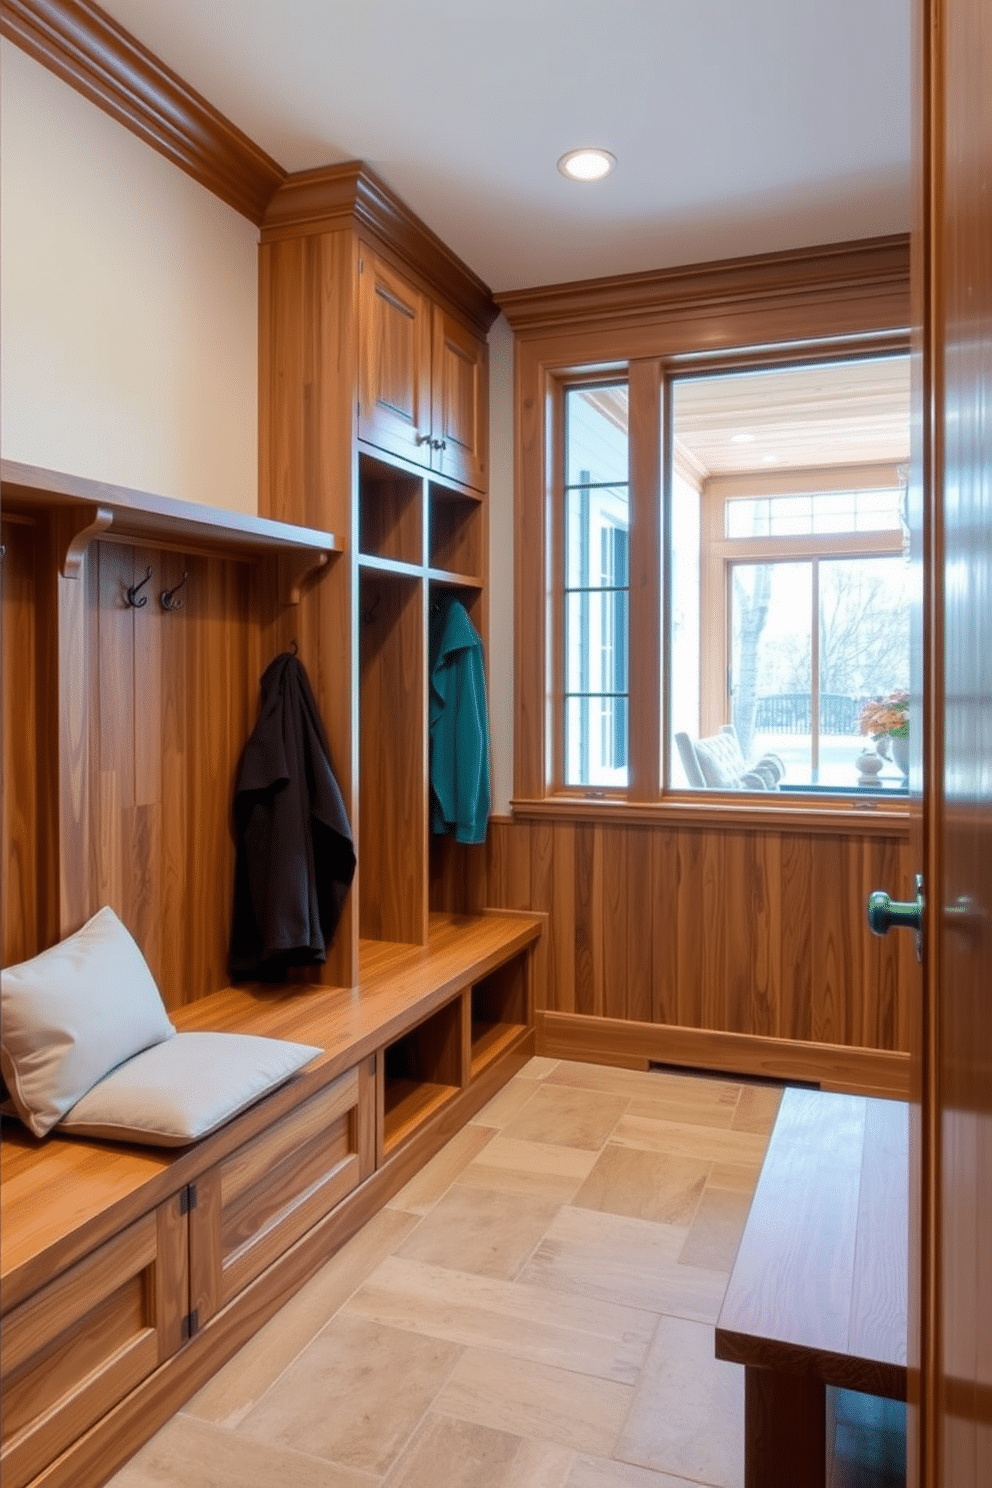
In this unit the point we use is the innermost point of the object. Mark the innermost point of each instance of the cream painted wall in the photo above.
(501, 562)
(129, 305)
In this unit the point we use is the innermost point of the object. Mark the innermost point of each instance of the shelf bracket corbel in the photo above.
(77, 529)
(294, 571)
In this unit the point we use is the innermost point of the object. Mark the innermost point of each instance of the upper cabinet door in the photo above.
(460, 402)
(394, 397)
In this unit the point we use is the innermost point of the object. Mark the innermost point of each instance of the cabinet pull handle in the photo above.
(439, 444)
(425, 439)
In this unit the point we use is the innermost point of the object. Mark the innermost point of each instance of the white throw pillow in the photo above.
(73, 1013)
(181, 1090)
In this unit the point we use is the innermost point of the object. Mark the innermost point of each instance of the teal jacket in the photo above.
(459, 725)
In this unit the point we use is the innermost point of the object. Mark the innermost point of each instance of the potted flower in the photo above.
(887, 720)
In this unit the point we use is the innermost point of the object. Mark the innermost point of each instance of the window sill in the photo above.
(867, 816)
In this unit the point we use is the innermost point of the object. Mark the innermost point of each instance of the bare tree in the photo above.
(752, 612)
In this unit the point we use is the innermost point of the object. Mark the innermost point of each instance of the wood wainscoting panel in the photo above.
(175, 698)
(22, 932)
(758, 932)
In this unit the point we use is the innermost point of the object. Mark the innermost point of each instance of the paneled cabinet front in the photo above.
(261, 1199)
(77, 1347)
(423, 377)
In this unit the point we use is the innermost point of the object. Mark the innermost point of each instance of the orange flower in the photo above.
(888, 715)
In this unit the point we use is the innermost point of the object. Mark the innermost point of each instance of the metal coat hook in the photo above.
(294, 648)
(132, 593)
(369, 615)
(169, 602)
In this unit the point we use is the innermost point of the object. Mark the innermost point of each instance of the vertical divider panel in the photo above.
(393, 750)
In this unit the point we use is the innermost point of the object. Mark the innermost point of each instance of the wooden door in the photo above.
(460, 402)
(394, 402)
(953, 267)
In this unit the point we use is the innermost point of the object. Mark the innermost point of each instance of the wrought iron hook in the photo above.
(132, 593)
(369, 615)
(168, 601)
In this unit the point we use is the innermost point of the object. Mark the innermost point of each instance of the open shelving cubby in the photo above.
(499, 1011)
(390, 513)
(422, 1071)
(456, 533)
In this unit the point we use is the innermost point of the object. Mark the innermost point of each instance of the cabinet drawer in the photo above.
(81, 1343)
(257, 1202)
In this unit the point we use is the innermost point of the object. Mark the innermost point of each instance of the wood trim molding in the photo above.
(880, 1072)
(83, 46)
(350, 195)
(731, 810)
(876, 269)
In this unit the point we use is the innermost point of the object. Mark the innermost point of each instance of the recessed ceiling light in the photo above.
(742, 438)
(587, 164)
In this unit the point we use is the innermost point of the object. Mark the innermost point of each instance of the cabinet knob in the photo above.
(439, 444)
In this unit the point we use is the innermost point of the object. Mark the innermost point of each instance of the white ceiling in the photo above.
(740, 126)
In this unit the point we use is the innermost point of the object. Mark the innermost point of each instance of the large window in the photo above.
(783, 591)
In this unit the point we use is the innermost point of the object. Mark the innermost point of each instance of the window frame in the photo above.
(835, 303)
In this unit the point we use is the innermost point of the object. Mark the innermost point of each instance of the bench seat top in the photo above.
(820, 1283)
(60, 1195)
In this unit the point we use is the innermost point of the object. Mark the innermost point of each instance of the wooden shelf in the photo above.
(490, 1040)
(409, 1103)
(446, 580)
(372, 563)
(141, 516)
(120, 514)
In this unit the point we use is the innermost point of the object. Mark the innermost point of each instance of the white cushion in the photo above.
(181, 1090)
(73, 1013)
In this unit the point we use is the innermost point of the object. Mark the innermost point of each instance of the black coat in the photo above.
(295, 856)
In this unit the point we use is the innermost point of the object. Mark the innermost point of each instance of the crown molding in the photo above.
(868, 268)
(350, 195)
(88, 50)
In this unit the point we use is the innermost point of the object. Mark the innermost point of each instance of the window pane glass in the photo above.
(595, 598)
(596, 741)
(771, 659)
(815, 452)
(589, 512)
(822, 511)
(864, 655)
(596, 435)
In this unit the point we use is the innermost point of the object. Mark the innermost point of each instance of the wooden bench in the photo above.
(129, 1274)
(818, 1293)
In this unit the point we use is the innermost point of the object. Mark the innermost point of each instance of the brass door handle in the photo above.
(885, 914)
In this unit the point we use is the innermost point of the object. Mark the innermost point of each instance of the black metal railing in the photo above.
(792, 712)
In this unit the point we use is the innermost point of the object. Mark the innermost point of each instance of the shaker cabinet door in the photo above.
(394, 402)
(460, 402)
(75, 1348)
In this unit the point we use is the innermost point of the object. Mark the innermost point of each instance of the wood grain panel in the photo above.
(460, 401)
(21, 931)
(757, 932)
(393, 811)
(76, 1347)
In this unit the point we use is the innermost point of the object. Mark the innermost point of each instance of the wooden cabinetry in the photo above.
(374, 414)
(266, 1194)
(79, 1345)
(423, 376)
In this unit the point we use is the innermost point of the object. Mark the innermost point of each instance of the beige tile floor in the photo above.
(534, 1310)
